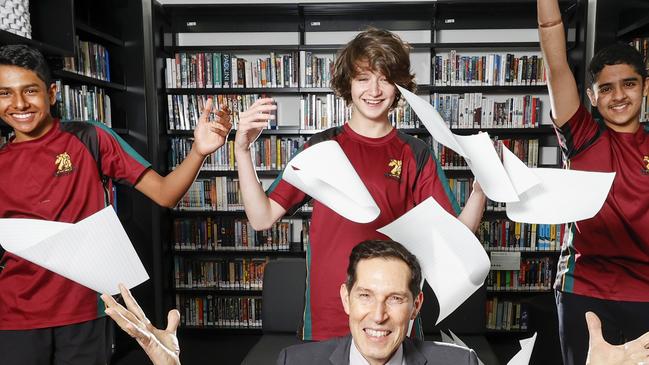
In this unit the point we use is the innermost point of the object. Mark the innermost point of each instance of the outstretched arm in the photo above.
(208, 137)
(564, 96)
(471, 215)
(160, 345)
(601, 352)
(261, 211)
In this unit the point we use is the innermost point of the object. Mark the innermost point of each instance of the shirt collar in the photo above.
(355, 357)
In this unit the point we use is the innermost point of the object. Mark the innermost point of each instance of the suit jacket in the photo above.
(336, 352)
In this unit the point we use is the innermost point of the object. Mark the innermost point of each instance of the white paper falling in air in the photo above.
(94, 252)
(562, 196)
(452, 259)
(323, 172)
(543, 196)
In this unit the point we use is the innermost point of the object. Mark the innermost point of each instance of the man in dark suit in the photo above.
(381, 295)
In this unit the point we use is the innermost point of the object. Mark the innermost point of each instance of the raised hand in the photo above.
(210, 135)
(253, 121)
(601, 352)
(160, 345)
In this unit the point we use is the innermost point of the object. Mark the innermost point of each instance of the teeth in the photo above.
(619, 106)
(22, 116)
(375, 333)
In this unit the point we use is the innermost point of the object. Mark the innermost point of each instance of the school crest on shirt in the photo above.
(395, 169)
(63, 164)
(645, 160)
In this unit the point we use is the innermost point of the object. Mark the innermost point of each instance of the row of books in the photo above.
(527, 150)
(231, 233)
(506, 315)
(269, 153)
(232, 274)
(183, 111)
(319, 111)
(83, 103)
(642, 45)
(316, 71)
(453, 69)
(217, 70)
(461, 189)
(90, 59)
(220, 193)
(219, 312)
(503, 234)
(4, 137)
(473, 110)
(534, 274)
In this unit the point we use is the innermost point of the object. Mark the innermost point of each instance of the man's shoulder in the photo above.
(313, 353)
(443, 353)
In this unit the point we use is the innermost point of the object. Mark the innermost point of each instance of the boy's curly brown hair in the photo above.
(383, 51)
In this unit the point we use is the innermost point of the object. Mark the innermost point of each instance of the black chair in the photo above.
(281, 311)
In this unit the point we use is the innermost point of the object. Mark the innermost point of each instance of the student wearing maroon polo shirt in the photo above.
(604, 265)
(398, 170)
(61, 172)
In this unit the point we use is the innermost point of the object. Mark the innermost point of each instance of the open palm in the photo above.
(601, 352)
(210, 135)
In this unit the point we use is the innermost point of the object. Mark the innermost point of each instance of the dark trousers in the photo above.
(621, 322)
(86, 343)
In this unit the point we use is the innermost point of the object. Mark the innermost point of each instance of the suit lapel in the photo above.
(412, 354)
(340, 356)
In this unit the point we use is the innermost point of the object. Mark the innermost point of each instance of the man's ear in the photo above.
(344, 297)
(419, 300)
(592, 96)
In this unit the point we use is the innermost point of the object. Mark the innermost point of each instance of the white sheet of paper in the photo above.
(432, 121)
(521, 176)
(324, 172)
(562, 196)
(477, 150)
(95, 252)
(485, 164)
(446, 338)
(452, 259)
(523, 356)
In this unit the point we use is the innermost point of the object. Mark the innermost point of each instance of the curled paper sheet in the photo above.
(523, 356)
(452, 259)
(562, 196)
(324, 172)
(544, 196)
(94, 252)
(477, 150)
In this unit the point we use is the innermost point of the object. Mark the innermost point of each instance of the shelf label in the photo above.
(506, 260)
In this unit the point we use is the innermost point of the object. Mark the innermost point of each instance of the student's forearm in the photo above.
(167, 191)
(564, 96)
(471, 215)
(258, 207)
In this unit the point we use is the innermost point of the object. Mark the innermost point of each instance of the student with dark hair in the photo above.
(381, 296)
(604, 264)
(62, 171)
(398, 170)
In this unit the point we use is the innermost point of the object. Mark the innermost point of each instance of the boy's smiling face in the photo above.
(25, 102)
(372, 95)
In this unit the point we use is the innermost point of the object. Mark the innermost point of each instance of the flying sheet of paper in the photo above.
(432, 121)
(452, 259)
(457, 341)
(477, 150)
(324, 172)
(562, 196)
(521, 176)
(95, 252)
(523, 356)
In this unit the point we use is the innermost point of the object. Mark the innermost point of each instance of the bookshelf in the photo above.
(469, 28)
